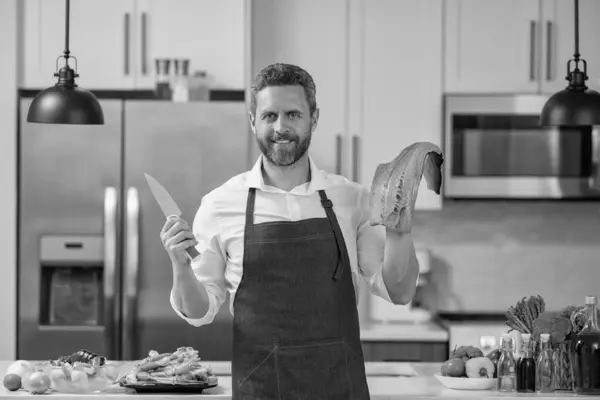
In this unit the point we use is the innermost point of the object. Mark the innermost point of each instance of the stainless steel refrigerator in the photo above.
(91, 267)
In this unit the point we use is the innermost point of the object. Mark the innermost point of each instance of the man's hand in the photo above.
(396, 185)
(176, 237)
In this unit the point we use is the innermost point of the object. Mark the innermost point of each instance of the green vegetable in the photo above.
(555, 324)
(465, 353)
(521, 316)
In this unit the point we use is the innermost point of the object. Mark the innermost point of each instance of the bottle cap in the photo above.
(590, 300)
(525, 336)
(507, 342)
(545, 336)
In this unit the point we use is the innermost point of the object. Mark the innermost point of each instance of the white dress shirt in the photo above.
(219, 228)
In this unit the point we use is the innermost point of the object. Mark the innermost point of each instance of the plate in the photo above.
(467, 383)
(155, 387)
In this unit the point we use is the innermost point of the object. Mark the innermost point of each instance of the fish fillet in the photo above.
(396, 184)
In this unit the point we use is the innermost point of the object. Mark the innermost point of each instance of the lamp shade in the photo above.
(572, 108)
(65, 104)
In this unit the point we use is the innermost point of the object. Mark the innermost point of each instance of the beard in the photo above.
(284, 155)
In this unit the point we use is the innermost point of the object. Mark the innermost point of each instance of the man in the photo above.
(288, 241)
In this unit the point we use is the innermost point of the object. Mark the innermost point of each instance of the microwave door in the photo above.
(496, 149)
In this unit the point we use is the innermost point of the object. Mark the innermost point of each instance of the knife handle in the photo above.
(192, 252)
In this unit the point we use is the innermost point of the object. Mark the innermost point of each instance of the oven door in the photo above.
(495, 148)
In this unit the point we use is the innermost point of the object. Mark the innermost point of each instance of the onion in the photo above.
(38, 383)
(22, 368)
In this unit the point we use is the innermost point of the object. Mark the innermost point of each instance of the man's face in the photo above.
(282, 124)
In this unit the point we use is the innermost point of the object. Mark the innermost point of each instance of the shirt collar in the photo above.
(318, 180)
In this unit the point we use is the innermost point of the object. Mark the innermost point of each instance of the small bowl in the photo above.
(467, 383)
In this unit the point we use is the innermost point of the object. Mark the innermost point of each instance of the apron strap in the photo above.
(337, 232)
(250, 207)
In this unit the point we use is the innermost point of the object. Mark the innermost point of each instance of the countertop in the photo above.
(404, 332)
(420, 386)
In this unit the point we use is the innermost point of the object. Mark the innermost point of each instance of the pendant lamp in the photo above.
(65, 102)
(576, 105)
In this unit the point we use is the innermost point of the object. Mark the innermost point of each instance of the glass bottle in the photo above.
(526, 366)
(585, 352)
(545, 366)
(506, 365)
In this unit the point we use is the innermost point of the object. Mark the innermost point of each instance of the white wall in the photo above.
(8, 178)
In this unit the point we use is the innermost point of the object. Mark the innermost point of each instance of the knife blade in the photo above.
(168, 206)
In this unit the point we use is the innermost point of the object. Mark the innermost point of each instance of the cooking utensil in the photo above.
(168, 206)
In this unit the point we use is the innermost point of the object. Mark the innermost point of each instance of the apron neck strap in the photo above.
(250, 207)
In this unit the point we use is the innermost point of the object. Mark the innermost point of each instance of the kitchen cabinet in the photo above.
(559, 42)
(290, 31)
(398, 95)
(516, 46)
(373, 99)
(116, 42)
(396, 351)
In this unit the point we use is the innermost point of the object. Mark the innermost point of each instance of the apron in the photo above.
(295, 327)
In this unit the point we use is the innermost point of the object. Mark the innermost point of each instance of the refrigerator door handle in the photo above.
(110, 267)
(130, 273)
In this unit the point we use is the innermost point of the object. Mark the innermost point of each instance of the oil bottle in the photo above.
(526, 366)
(585, 352)
(506, 366)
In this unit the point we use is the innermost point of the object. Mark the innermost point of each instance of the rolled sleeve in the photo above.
(209, 267)
(370, 245)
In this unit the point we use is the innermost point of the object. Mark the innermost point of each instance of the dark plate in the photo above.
(169, 388)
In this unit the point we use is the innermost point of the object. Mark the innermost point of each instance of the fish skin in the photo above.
(396, 184)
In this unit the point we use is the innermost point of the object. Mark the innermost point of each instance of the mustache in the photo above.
(285, 136)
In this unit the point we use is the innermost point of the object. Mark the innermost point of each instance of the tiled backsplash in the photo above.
(486, 255)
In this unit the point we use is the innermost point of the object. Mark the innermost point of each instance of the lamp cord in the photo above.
(576, 54)
(67, 52)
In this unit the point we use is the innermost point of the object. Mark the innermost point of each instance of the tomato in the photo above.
(454, 367)
(12, 382)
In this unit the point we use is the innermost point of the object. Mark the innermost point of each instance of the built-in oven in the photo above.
(495, 148)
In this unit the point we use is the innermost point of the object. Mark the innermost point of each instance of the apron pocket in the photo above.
(260, 381)
(314, 370)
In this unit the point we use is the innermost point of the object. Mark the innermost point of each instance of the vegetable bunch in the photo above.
(521, 317)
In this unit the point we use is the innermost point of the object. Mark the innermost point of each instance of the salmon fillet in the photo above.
(396, 184)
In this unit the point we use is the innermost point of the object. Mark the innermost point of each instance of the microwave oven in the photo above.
(494, 147)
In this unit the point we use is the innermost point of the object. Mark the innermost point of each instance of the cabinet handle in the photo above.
(549, 51)
(338, 154)
(532, 51)
(144, 43)
(355, 158)
(126, 47)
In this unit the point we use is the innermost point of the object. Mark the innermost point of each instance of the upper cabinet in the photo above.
(290, 31)
(491, 46)
(558, 17)
(99, 39)
(397, 61)
(116, 42)
(516, 46)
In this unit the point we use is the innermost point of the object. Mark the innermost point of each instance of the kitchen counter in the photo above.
(387, 381)
(404, 332)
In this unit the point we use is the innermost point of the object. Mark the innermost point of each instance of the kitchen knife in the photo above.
(168, 206)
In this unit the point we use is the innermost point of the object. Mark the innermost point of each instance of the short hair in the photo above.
(280, 74)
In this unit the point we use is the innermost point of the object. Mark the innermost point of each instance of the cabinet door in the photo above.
(290, 31)
(401, 84)
(559, 42)
(210, 33)
(100, 40)
(492, 46)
